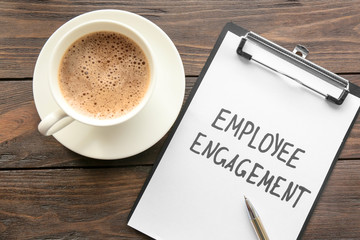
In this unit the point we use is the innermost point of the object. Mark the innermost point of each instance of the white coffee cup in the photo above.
(66, 114)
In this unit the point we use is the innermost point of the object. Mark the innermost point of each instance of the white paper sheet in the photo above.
(199, 195)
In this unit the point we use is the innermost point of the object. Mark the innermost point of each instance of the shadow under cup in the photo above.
(75, 34)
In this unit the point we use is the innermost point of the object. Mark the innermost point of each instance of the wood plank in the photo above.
(94, 203)
(69, 204)
(22, 146)
(330, 29)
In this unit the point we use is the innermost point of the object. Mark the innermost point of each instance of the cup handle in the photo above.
(54, 122)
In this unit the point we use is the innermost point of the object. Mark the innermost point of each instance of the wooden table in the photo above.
(49, 192)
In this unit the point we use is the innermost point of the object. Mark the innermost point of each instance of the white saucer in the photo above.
(140, 132)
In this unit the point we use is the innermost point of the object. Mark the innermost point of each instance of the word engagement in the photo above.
(272, 145)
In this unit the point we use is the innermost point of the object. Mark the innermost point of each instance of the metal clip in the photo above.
(298, 56)
(301, 51)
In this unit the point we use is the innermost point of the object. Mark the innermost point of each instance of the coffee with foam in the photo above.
(104, 75)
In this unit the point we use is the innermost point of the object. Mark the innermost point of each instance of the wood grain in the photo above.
(42, 204)
(22, 146)
(330, 29)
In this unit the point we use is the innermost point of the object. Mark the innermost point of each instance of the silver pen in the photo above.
(255, 221)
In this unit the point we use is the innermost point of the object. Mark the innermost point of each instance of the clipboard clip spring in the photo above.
(298, 57)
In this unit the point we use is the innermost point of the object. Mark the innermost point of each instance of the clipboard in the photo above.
(142, 208)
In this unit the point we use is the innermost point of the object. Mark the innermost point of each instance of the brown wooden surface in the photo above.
(49, 192)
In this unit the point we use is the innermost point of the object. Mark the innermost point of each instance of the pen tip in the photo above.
(245, 198)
